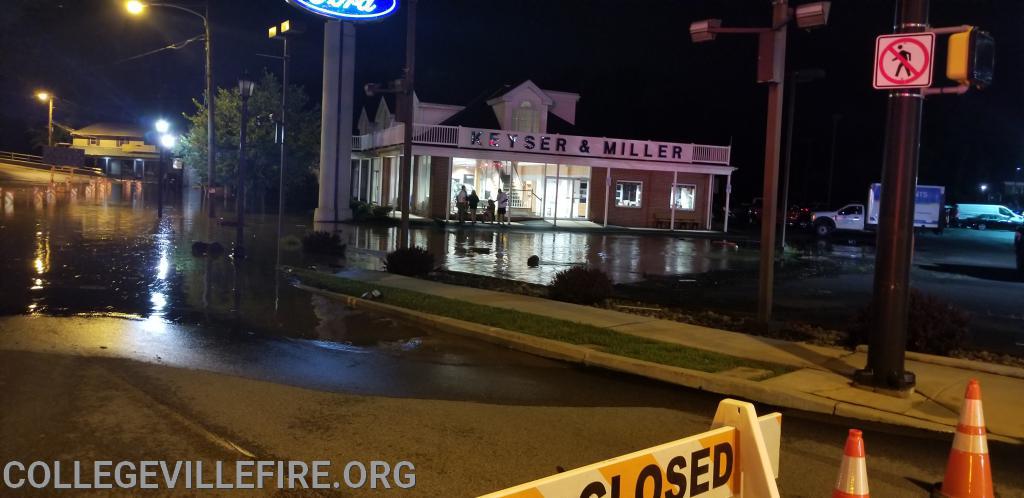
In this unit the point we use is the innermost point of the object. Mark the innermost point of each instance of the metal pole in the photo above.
(607, 187)
(408, 87)
(240, 185)
(160, 182)
(769, 203)
(887, 345)
(672, 199)
(49, 126)
(790, 113)
(558, 177)
(832, 158)
(211, 109)
(281, 137)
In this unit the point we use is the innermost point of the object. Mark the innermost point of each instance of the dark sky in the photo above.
(632, 62)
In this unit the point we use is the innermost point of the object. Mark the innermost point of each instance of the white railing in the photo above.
(27, 158)
(521, 199)
(435, 134)
(711, 154)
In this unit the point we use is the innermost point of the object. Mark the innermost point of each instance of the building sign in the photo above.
(708, 465)
(569, 145)
(349, 10)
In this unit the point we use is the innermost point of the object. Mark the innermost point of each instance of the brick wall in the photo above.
(655, 198)
(439, 185)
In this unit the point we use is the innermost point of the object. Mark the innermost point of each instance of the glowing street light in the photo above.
(983, 187)
(168, 141)
(134, 7)
(162, 126)
(47, 97)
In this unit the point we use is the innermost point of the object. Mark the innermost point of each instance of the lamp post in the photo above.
(136, 8)
(771, 69)
(167, 142)
(245, 89)
(282, 32)
(48, 98)
(795, 78)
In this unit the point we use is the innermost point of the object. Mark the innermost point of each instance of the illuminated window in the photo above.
(94, 141)
(684, 197)
(628, 194)
(525, 118)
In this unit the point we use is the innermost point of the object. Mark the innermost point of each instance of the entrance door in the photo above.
(572, 196)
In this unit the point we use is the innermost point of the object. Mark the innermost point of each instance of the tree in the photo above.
(303, 138)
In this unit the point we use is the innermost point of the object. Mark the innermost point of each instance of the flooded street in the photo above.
(98, 274)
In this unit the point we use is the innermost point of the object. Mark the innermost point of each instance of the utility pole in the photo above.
(771, 70)
(887, 345)
(795, 78)
(832, 159)
(408, 97)
(211, 136)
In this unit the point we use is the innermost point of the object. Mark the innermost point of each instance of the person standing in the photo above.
(474, 201)
(503, 206)
(461, 202)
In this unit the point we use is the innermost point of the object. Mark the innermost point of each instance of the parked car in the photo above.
(991, 221)
(1018, 243)
(801, 217)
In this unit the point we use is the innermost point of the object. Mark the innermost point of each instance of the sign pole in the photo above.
(408, 110)
(886, 355)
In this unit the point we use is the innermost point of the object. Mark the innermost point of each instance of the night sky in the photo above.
(632, 62)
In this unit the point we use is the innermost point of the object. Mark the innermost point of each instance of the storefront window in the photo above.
(628, 194)
(684, 197)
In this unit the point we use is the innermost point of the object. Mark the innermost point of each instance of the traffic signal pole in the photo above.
(887, 343)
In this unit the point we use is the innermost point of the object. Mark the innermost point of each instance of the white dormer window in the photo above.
(524, 118)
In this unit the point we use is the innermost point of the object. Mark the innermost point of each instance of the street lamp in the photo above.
(282, 32)
(771, 69)
(136, 8)
(167, 142)
(47, 97)
(245, 90)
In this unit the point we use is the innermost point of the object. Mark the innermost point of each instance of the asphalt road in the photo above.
(88, 389)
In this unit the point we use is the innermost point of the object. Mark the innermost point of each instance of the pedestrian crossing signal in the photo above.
(971, 58)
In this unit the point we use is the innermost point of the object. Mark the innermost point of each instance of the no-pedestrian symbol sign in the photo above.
(904, 60)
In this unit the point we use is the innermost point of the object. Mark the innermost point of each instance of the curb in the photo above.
(946, 361)
(694, 379)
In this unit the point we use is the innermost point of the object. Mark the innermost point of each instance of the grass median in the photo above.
(581, 334)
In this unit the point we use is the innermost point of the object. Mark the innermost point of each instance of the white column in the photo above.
(728, 192)
(607, 187)
(711, 194)
(558, 176)
(448, 193)
(336, 123)
(544, 195)
(346, 111)
(672, 199)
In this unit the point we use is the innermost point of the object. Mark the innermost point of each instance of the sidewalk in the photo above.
(820, 382)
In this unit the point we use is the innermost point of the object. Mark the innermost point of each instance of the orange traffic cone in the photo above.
(969, 472)
(853, 473)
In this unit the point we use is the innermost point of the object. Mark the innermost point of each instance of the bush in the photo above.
(382, 211)
(323, 242)
(411, 262)
(934, 326)
(581, 285)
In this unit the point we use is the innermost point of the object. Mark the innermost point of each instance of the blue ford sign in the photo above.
(350, 10)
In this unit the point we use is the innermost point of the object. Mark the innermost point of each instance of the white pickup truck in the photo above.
(928, 209)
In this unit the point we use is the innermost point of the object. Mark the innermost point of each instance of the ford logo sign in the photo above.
(351, 10)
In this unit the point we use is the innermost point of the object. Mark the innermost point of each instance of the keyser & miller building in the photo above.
(523, 139)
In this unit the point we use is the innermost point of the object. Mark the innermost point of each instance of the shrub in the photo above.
(382, 211)
(933, 326)
(323, 242)
(360, 210)
(411, 262)
(581, 285)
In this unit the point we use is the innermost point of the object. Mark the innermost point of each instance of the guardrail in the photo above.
(15, 156)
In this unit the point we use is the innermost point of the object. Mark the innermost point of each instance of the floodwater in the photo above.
(92, 270)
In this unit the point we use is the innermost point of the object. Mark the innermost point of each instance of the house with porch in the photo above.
(119, 149)
(524, 139)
